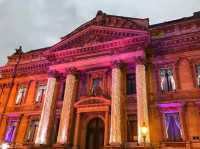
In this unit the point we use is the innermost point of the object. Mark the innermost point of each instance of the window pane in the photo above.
(167, 80)
(173, 127)
(40, 93)
(10, 132)
(96, 87)
(20, 94)
(198, 74)
(131, 84)
(32, 130)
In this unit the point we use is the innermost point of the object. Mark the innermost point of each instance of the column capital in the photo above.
(72, 70)
(118, 64)
(140, 60)
(53, 73)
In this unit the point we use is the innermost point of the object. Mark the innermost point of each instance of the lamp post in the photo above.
(144, 131)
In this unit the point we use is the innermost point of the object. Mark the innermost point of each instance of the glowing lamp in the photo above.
(4, 146)
(144, 130)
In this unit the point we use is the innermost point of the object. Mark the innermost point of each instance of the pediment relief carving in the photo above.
(92, 101)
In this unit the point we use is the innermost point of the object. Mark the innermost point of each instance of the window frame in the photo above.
(28, 128)
(174, 77)
(36, 93)
(23, 98)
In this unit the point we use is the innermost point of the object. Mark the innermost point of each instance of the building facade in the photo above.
(114, 82)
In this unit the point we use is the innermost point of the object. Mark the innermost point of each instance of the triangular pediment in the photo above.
(102, 28)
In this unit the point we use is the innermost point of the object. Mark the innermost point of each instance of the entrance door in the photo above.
(95, 134)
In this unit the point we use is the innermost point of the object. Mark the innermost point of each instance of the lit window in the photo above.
(40, 93)
(20, 94)
(10, 132)
(173, 127)
(32, 130)
(198, 74)
(131, 87)
(167, 80)
(96, 87)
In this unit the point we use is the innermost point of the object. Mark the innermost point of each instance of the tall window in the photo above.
(10, 132)
(32, 130)
(198, 74)
(131, 84)
(167, 80)
(40, 93)
(20, 94)
(96, 87)
(173, 126)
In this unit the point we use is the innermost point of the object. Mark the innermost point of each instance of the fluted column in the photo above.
(68, 106)
(118, 117)
(142, 107)
(48, 109)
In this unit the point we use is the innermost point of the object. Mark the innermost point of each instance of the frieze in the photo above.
(167, 45)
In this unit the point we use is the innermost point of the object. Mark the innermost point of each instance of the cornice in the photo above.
(186, 42)
(105, 48)
(113, 33)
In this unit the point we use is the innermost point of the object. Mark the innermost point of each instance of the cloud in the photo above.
(40, 23)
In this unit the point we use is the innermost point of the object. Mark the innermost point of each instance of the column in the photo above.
(22, 129)
(192, 119)
(142, 105)
(76, 133)
(3, 127)
(118, 119)
(68, 106)
(47, 115)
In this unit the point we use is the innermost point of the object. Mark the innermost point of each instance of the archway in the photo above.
(95, 134)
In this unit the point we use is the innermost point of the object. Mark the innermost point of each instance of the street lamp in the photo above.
(144, 131)
(4, 146)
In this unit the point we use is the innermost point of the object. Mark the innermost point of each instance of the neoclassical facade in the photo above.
(113, 83)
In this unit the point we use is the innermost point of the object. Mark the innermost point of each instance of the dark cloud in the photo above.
(39, 23)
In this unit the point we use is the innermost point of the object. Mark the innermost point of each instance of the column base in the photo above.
(40, 146)
(76, 147)
(113, 147)
(61, 146)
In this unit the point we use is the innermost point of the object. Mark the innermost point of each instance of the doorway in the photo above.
(95, 134)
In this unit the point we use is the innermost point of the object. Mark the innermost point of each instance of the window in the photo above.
(10, 132)
(20, 94)
(173, 126)
(40, 93)
(131, 87)
(96, 87)
(167, 80)
(198, 74)
(32, 130)
(132, 128)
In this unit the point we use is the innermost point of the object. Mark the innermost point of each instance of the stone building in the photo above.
(114, 82)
